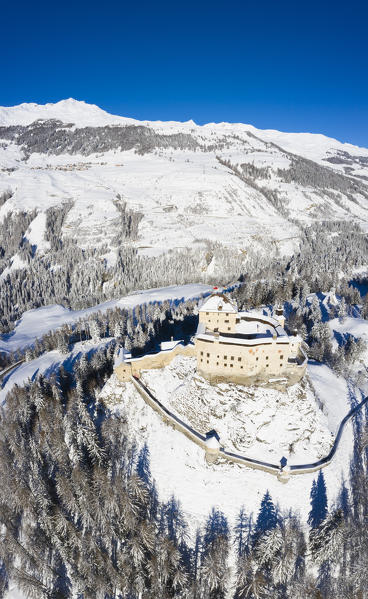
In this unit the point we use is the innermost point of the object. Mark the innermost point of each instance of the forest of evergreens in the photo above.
(80, 514)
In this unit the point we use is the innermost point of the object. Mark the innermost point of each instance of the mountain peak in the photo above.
(78, 112)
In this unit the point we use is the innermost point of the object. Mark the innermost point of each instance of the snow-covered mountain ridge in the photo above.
(82, 114)
(225, 183)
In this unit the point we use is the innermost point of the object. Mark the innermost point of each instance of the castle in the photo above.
(244, 347)
(230, 346)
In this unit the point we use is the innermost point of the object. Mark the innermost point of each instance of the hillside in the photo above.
(184, 183)
(93, 206)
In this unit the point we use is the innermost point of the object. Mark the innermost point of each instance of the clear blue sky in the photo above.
(293, 66)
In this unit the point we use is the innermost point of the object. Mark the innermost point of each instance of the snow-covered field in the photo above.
(46, 364)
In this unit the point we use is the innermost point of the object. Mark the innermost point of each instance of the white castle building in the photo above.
(230, 346)
(245, 347)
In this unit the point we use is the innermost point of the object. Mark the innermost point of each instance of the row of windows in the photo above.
(239, 359)
(232, 365)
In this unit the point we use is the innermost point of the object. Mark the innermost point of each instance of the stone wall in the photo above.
(218, 361)
(212, 453)
(151, 361)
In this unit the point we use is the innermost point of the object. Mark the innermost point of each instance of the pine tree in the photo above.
(318, 502)
(242, 529)
(341, 312)
(143, 465)
(343, 502)
(267, 517)
(95, 332)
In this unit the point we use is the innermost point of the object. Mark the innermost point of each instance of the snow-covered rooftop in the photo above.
(236, 340)
(168, 345)
(254, 327)
(217, 303)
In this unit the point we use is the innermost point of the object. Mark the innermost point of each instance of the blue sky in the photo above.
(292, 66)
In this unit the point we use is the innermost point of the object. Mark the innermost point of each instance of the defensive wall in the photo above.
(133, 367)
(213, 449)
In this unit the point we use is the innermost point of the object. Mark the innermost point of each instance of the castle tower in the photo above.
(218, 314)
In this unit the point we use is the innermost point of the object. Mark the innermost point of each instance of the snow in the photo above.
(179, 466)
(357, 327)
(35, 233)
(46, 364)
(67, 111)
(331, 391)
(187, 198)
(83, 114)
(247, 419)
(36, 323)
(169, 345)
(14, 592)
(16, 263)
(218, 302)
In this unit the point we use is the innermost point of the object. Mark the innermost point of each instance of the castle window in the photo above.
(201, 353)
(231, 365)
(267, 357)
(267, 365)
(217, 363)
(241, 366)
(256, 359)
(232, 357)
(207, 362)
(227, 320)
(225, 365)
(239, 359)
(225, 357)
(208, 355)
(207, 313)
(228, 328)
(281, 357)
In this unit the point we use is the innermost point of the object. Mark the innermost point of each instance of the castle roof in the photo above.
(218, 302)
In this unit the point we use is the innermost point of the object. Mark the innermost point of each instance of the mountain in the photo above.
(223, 182)
(79, 186)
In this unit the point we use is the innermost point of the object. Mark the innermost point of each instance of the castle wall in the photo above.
(218, 361)
(151, 361)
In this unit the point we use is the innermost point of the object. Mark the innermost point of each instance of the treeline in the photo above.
(139, 330)
(79, 278)
(80, 513)
(54, 137)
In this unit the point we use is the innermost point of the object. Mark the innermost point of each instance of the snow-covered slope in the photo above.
(227, 183)
(179, 466)
(247, 419)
